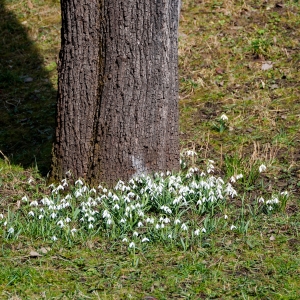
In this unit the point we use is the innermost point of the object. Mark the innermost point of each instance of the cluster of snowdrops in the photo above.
(176, 209)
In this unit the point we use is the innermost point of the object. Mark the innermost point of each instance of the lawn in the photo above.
(226, 227)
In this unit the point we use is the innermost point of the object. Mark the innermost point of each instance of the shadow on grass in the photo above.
(27, 98)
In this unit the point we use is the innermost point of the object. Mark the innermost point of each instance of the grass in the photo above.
(238, 59)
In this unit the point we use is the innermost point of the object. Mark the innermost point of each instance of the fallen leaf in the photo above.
(34, 254)
(43, 250)
(267, 66)
(29, 4)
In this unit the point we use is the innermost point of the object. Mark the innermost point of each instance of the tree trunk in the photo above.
(118, 90)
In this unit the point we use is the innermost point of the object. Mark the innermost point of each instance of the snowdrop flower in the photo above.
(125, 240)
(203, 230)
(166, 209)
(150, 220)
(78, 194)
(79, 182)
(104, 191)
(93, 191)
(109, 221)
(60, 223)
(31, 213)
(91, 226)
(68, 173)
(261, 200)
(1, 216)
(135, 233)
(30, 180)
(140, 213)
(239, 176)
(170, 235)
(224, 117)
(123, 220)
(41, 217)
(190, 153)
(73, 231)
(197, 232)
(54, 238)
(157, 226)
(5, 223)
(64, 182)
(140, 224)
(184, 227)
(232, 227)
(262, 168)
(177, 221)
(67, 220)
(90, 219)
(232, 179)
(25, 199)
(225, 217)
(106, 214)
(34, 203)
(11, 230)
(116, 206)
(132, 245)
(144, 240)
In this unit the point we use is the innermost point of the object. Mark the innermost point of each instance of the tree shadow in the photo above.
(27, 98)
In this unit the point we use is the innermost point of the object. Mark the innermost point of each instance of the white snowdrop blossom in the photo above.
(91, 219)
(54, 238)
(144, 240)
(122, 221)
(184, 227)
(224, 117)
(125, 240)
(150, 220)
(11, 230)
(79, 182)
(1, 216)
(190, 153)
(232, 227)
(166, 209)
(262, 168)
(157, 226)
(140, 224)
(91, 226)
(31, 213)
(135, 233)
(60, 223)
(132, 245)
(73, 231)
(116, 206)
(177, 221)
(33, 203)
(109, 221)
(68, 220)
(203, 230)
(106, 214)
(261, 200)
(197, 232)
(41, 217)
(225, 217)
(64, 182)
(25, 199)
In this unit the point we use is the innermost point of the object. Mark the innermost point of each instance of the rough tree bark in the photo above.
(117, 111)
